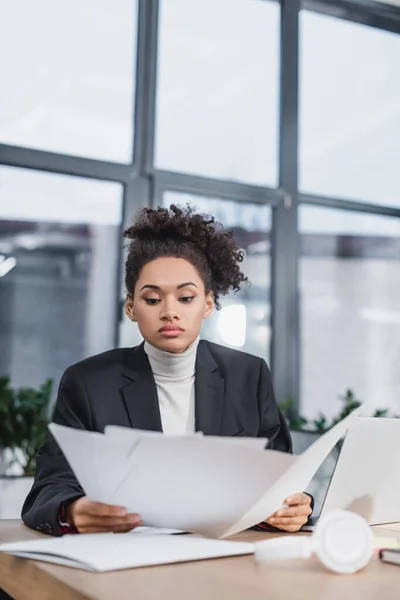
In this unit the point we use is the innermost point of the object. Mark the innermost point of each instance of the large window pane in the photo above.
(59, 240)
(67, 76)
(349, 110)
(217, 100)
(350, 309)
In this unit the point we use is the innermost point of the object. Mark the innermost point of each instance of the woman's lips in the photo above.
(171, 332)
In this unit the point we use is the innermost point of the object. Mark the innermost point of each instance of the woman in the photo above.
(178, 266)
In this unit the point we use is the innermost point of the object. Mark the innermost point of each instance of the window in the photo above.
(349, 110)
(218, 89)
(59, 240)
(350, 310)
(68, 77)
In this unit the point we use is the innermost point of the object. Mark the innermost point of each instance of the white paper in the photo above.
(202, 484)
(296, 478)
(107, 551)
(156, 531)
(99, 464)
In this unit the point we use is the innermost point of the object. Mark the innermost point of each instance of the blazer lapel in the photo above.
(140, 393)
(209, 392)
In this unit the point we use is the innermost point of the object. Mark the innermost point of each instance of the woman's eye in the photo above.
(151, 301)
(186, 299)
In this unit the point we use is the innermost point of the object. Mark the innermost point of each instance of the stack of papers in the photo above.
(209, 485)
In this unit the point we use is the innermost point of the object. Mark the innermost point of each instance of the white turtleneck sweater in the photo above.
(174, 376)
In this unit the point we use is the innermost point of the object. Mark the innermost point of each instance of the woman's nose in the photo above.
(170, 312)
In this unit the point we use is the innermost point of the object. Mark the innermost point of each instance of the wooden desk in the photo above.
(225, 578)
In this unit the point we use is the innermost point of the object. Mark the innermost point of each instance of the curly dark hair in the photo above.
(181, 233)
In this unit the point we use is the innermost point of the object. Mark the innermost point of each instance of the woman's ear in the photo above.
(130, 313)
(209, 308)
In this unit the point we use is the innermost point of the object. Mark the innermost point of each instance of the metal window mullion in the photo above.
(285, 238)
(364, 12)
(349, 205)
(39, 160)
(145, 98)
(203, 186)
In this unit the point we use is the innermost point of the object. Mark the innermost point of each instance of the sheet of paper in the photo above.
(156, 531)
(107, 551)
(99, 464)
(199, 485)
(294, 479)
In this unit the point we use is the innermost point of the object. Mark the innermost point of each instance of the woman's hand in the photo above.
(94, 517)
(294, 516)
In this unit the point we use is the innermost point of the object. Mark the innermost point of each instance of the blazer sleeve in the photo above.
(55, 484)
(273, 425)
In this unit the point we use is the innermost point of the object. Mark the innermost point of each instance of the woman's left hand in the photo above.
(294, 516)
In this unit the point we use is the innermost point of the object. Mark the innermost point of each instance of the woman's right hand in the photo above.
(94, 517)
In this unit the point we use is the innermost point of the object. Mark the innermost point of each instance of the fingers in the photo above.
(95, 517)
(84, 521)
(290, 524)
(291, 527)
(97, 509)
(300, 498)
(292, 517)
(130, 519)
(84, 506)
(294, 511)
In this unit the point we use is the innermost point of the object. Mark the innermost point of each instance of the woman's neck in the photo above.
(172, 365)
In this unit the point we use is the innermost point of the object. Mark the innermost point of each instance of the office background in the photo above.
(281, 119)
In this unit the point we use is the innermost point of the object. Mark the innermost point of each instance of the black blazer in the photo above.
(233, 396)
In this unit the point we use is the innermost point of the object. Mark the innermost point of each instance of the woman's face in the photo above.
(169, 303)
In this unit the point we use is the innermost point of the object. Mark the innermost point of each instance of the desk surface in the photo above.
(234, 578)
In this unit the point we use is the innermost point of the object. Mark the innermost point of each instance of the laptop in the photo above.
(366, 476)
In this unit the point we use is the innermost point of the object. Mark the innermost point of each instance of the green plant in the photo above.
(24, 415)
(321, 424)
(350, 403)
(294, 421)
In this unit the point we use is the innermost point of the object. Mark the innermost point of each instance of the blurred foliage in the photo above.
(294, 420)
(24, 416)
(321, 424)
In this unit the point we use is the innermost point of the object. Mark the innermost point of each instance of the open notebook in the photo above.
(109, 551)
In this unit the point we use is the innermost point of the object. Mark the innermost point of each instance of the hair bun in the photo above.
(172, 222)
